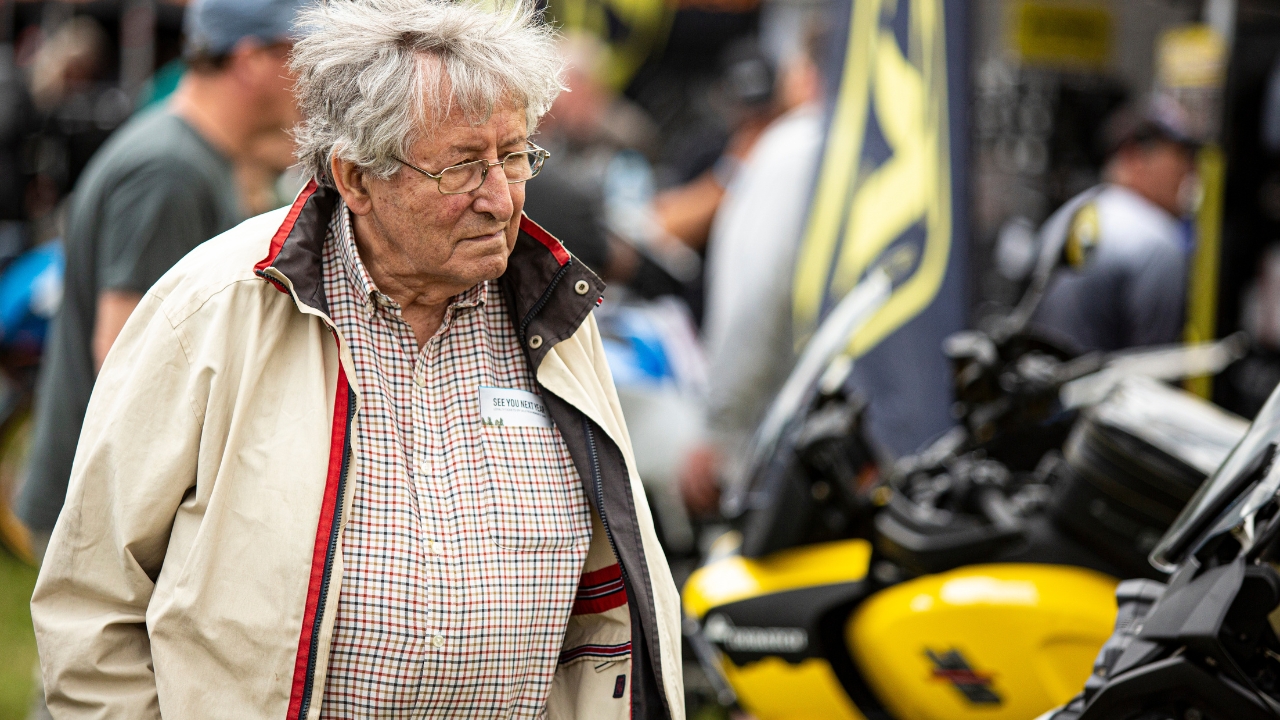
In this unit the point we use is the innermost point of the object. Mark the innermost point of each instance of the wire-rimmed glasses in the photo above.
(469, 176)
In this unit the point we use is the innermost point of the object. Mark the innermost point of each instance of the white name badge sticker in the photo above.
(508, 407)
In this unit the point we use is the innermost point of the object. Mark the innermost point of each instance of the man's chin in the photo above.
(480, 259)
(486, 267)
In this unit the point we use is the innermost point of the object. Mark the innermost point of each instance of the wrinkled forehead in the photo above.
(459, 134)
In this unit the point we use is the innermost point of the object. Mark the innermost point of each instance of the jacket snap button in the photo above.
(581, 287)
(438, 641)
(535, 342)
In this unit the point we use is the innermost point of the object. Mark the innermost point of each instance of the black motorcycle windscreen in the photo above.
(1222, 503)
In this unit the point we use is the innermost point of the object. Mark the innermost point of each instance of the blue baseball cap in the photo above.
(213, 27)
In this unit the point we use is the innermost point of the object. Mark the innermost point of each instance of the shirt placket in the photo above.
(439, 507)
(435, 504)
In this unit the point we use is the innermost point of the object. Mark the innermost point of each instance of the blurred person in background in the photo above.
(587, 127)
(69, 62)
(73, 112)
(597, 197)
(747, 85)
(1126, 248)
(754, 238)
(164, 183)
(267, 175)
(603, 195)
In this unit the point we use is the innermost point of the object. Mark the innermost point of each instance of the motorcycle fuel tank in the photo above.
(999, 642)
(767, 618)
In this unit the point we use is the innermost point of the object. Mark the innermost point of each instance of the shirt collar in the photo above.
(360, 279)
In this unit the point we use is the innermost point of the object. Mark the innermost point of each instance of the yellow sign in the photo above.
(1062, 33)
(1192, 56)
(866, 210)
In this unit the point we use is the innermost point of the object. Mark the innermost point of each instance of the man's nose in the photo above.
(494, 195)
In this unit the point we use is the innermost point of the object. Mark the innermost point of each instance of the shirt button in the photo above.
(438, 641)
(581, 287)
(535, 342)
(420, 381)
(436, 548)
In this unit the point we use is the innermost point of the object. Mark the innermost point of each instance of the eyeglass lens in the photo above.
(517, 167)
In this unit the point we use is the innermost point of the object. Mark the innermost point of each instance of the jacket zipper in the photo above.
(328, 565)
(598, 484)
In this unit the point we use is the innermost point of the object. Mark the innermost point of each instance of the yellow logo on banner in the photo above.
(860, 213)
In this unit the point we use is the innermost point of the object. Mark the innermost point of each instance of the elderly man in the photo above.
(363, 457)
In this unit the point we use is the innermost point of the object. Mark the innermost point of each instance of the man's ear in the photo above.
(352, 183)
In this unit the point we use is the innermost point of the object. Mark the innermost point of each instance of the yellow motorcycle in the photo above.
(978, 580)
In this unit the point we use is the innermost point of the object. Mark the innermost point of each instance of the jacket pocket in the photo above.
(590, 688)
(532, 495)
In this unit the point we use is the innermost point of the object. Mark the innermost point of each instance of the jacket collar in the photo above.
(549, 292)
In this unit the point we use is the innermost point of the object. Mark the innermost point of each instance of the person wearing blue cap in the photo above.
(164, 183)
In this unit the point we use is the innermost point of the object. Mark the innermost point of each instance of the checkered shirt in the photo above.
(465, 544)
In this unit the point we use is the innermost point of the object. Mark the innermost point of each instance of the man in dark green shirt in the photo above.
(164, 183)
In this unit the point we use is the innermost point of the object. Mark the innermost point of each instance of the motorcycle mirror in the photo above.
(1067, 239)
(1016, 248)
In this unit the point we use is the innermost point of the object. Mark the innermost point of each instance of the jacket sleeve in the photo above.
(135, 462)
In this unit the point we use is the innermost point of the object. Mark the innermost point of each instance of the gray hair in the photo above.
(375, 76)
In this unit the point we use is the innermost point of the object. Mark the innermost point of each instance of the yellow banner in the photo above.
(883, 197)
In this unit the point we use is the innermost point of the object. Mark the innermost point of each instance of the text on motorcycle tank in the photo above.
(721, 630)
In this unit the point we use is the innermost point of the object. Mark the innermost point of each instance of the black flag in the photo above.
(890, 194)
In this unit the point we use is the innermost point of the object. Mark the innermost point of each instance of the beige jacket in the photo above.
(195, 569)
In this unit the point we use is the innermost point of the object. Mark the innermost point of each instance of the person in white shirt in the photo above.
(750, 259)
(1124, 283)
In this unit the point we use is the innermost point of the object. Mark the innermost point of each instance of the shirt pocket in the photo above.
(532, 494)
